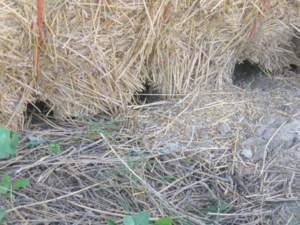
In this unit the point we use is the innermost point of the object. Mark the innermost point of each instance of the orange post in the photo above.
(166, 11)
(39, 22)
(258, 20)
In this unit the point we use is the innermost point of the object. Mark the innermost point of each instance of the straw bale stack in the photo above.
(17, 38)
(272, 47)
(201, 42)
(87, 63)
(96, 54)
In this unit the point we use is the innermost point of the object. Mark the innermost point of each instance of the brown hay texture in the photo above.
(95, 55)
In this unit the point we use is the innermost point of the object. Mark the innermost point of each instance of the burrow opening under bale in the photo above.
(294, 68)
(246, 73)
(150, 94)
(37, 110)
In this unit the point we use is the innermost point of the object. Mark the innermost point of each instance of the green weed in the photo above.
(36, 141)
(249, 88)
(141, 218)
(103, 127)
(53, 148)
(8, 142)
(2, 214)
(224, 208)
(6, 189)
(5, 185)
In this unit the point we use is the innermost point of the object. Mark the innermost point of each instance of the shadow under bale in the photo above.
(245, 72)
(149, 95)
(38, 111)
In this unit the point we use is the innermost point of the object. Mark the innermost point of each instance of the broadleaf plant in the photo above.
(2, 214)
(164, 221)
(23, 182)
(128, 220)
(5, 185)
(8, 142)
(142, 218)
(110, 222)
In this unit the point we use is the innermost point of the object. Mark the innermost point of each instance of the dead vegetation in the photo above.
(200, 157)
(170, 158)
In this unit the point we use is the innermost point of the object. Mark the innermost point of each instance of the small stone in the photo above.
(247, 153)
(172, 146)
(258, 144)
(260, 131)
(224, 129)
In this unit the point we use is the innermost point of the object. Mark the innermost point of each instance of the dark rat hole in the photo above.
(37, 110)
(245, 72)
(148, 95)
(294, 68)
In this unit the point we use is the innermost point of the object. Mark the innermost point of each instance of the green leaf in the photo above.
(225, 207)
(164, 221)
(34, 141)
(6, 146)
(4, 184)
(129, 163)
(110, 222)
(10, 195)
(14, 139)
(128, 220)
(53, 148)
(23, 182)
(213, 209)
(5, 180)
(2, 214)
(142, 218)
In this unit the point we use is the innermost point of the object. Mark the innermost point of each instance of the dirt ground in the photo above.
(223, 157)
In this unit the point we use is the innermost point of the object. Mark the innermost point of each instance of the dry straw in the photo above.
(96, 54)
(171, 160)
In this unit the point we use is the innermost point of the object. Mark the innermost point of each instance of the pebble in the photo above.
(247, 153)
(224, 129)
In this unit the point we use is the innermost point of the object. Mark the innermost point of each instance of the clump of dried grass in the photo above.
(96, 55)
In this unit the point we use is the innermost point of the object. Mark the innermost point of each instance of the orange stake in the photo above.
(166, 11)
(39, 21)
(258, 20)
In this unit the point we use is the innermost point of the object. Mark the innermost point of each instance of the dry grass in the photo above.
(96, 55)
(169, 159)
